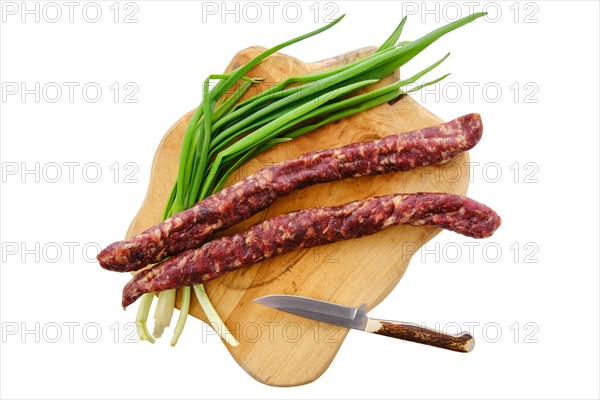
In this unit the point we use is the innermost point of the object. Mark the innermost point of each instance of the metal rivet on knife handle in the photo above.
(462, 342)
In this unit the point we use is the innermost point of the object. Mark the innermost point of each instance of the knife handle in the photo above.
(463, 342)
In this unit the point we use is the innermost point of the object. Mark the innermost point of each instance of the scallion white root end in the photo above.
(164, 312)
(142, 317)
(183, 313)
(213, 317)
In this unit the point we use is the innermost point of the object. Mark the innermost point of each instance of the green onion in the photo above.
(180, 199)
(393, 39)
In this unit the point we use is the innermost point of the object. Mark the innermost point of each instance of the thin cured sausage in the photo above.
(313, 227)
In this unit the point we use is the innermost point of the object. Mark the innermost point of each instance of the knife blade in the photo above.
(356, 318)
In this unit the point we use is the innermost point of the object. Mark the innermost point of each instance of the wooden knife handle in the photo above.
(462, 342)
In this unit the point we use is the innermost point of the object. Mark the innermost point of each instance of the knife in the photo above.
(356, 318)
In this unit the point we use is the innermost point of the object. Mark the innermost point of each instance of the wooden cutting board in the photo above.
(280, 349)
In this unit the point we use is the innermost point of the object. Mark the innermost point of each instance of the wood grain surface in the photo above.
(281, 349)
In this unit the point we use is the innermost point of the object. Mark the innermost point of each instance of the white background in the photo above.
(536, 309)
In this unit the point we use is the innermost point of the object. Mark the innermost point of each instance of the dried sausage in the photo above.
(313, 227)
